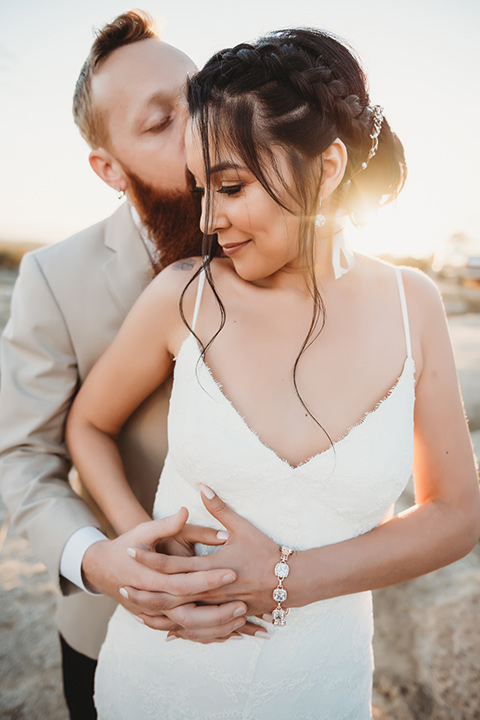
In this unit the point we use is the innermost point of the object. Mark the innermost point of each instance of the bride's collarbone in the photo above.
(339, 395)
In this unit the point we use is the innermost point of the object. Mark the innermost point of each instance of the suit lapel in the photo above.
(128, 270)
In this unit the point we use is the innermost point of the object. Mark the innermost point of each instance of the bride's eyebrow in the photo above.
(226, 165)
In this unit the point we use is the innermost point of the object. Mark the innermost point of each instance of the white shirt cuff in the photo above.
(73, 552)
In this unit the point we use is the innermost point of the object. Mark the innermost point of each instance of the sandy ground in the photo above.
(30, 683)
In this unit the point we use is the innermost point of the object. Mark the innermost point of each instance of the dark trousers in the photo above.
(78, 673)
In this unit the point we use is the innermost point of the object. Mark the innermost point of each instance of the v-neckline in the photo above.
(348, 433)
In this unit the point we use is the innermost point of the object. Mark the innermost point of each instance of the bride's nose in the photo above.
(212, 218)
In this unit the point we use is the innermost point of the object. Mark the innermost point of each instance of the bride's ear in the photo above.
(334, 161)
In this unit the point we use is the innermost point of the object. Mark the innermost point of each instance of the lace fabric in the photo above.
(320, 665)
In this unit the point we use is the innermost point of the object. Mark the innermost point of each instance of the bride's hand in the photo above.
(249, 552)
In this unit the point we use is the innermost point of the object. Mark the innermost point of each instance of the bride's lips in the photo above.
(232, 248)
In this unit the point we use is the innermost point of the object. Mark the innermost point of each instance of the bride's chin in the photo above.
(249, 274)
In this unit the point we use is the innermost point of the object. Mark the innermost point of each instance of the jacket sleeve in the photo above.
(39, 378)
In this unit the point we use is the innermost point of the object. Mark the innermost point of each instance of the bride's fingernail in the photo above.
(208, 492)
(238, 625)
(229, 578)
(131, 552)
(123, 593)
(139, 619)
(222, 535)
(239, 611)
(169, 638)
(263, 634)
(235, 636)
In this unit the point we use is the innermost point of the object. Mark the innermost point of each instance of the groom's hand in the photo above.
(110, 567)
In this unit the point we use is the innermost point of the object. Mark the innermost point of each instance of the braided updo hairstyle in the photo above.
(296, 90)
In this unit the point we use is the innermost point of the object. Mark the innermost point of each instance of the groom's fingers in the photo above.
(172, 564)
(202, 622)
(161, 563)
(195, 617)
(221, 633)
(147, 534)
(162, 622)
(167, 591)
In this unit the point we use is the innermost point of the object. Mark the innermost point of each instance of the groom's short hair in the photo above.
(130, 27)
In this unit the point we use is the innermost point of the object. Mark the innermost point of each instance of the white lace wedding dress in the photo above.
(318, 667)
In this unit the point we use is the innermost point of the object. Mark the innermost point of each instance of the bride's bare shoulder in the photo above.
(161, 297)
(420, 290)
(171, 282)
(179, 273)
(177, 284)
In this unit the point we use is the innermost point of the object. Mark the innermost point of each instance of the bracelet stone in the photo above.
(280, 594)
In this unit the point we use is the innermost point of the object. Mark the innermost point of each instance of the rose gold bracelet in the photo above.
(280, 594)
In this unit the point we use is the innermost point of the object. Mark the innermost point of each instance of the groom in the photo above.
(68, 303)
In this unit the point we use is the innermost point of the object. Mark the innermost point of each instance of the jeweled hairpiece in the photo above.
(377, 115)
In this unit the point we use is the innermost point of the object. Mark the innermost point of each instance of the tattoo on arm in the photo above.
(184, 265)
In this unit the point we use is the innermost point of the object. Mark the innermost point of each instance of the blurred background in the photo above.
(423, 61)
(422, 58)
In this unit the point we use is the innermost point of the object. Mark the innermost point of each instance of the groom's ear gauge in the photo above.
(107, 168)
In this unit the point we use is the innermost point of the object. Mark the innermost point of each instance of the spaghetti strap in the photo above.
(403, 301)
(198, 299)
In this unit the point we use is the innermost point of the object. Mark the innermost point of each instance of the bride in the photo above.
(307, 382)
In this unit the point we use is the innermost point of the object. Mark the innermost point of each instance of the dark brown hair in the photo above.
(130, 27)
(299, 90)
(296, 90)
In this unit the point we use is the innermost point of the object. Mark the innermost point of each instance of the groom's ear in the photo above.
(107, 168)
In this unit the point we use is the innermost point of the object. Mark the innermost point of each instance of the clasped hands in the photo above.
(152, 571)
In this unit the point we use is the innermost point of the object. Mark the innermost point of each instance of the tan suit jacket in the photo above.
(68, 303)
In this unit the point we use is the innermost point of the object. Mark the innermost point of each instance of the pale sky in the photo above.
(422, 58)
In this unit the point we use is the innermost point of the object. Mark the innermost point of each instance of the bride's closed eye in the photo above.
(230, 189)
(225, 190)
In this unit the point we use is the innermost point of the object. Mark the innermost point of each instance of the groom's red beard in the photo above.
(171, 218)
